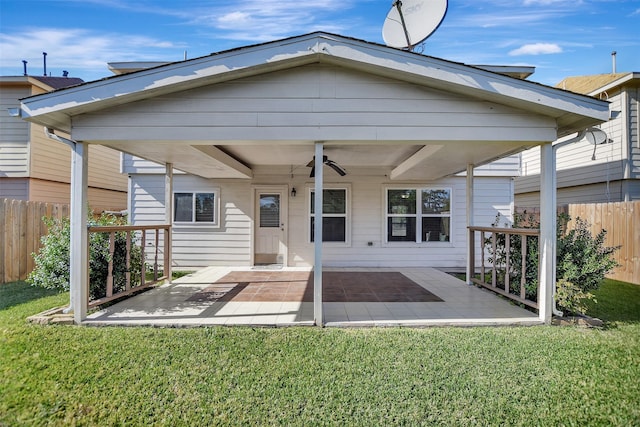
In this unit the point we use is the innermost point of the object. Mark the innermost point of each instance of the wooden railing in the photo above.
(508, 276)
(134, 267)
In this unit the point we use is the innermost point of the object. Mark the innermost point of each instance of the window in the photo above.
(195, 207)
(334, 215)
(418, 215)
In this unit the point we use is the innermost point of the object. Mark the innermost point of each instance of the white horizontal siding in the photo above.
(634, 132)
(135, 165)
(231, 243)
(313, 103)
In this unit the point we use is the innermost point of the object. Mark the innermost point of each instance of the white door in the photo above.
(270, 235)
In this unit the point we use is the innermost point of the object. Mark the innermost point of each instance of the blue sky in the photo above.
(559, 37)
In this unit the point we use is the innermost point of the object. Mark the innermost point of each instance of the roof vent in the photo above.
(613, 60)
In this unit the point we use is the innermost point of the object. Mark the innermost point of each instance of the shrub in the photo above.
(52, 261)
(582, 261)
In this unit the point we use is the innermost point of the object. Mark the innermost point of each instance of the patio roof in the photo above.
(502, 115)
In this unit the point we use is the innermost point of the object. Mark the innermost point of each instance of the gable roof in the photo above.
(573, 112)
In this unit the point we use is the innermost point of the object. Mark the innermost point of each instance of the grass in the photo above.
(67, 375)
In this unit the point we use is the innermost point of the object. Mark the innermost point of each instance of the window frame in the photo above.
(346, 215)
(418, 216)
(193, 223)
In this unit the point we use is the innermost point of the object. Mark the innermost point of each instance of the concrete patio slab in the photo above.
(173, 305)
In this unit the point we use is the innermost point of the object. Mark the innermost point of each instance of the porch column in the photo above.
(547, 242)
(79, 248)
(168, 216)
(470, 248)
(317, 233)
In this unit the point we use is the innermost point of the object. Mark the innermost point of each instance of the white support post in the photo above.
(317, 233)
(470, 249)
(547, 242)
(79, 252)
(168, 216)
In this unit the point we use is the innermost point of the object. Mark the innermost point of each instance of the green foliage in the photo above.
(582, 261)
(52, 261)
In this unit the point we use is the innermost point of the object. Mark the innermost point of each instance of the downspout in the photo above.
(579, 136)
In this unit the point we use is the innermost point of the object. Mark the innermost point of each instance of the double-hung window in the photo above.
(197, 208)
(418, 215)
(334, 215)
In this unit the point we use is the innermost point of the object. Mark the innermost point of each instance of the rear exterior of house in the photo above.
(611, 172)
(410, 142)
(32, 168)
(367, 222)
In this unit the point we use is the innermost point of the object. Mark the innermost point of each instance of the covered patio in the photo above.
(406, 297)
(249, 125)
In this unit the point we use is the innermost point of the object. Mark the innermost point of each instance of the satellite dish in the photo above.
(596, 136)
(409, 22)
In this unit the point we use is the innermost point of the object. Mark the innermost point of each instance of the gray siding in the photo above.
(14, 188)
(14, 135)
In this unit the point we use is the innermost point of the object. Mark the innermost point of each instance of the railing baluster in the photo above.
(127, 285)
(482, 238)
(523, 280)
(494, 245)
(155, 262)
(112, 249)
(507, 272)
(143, 245)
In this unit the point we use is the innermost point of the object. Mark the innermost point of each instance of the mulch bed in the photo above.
(297, 286)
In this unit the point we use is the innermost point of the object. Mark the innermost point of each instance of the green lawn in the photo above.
(549, 376)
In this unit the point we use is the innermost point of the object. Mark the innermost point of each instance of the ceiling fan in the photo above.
(333, 165)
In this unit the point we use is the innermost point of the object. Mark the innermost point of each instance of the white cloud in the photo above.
(536, 49)
(80, 51)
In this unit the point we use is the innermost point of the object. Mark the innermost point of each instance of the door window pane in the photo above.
(269, 210)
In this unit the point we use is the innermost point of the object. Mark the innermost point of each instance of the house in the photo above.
(32, 168)
(392, 144)
(608, 172)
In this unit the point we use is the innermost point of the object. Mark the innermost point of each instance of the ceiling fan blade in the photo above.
(313, 172)
(336, 167)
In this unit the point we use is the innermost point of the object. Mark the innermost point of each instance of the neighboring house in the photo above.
(34, 168)
(611, 173)
(244, 128)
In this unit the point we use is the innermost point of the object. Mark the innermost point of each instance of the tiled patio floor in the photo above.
(174, 305)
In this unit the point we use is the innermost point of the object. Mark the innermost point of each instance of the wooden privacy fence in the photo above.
(21, 228)
(622, 222)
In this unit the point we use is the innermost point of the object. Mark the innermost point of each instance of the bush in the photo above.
(582, 261)
(52, 261)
